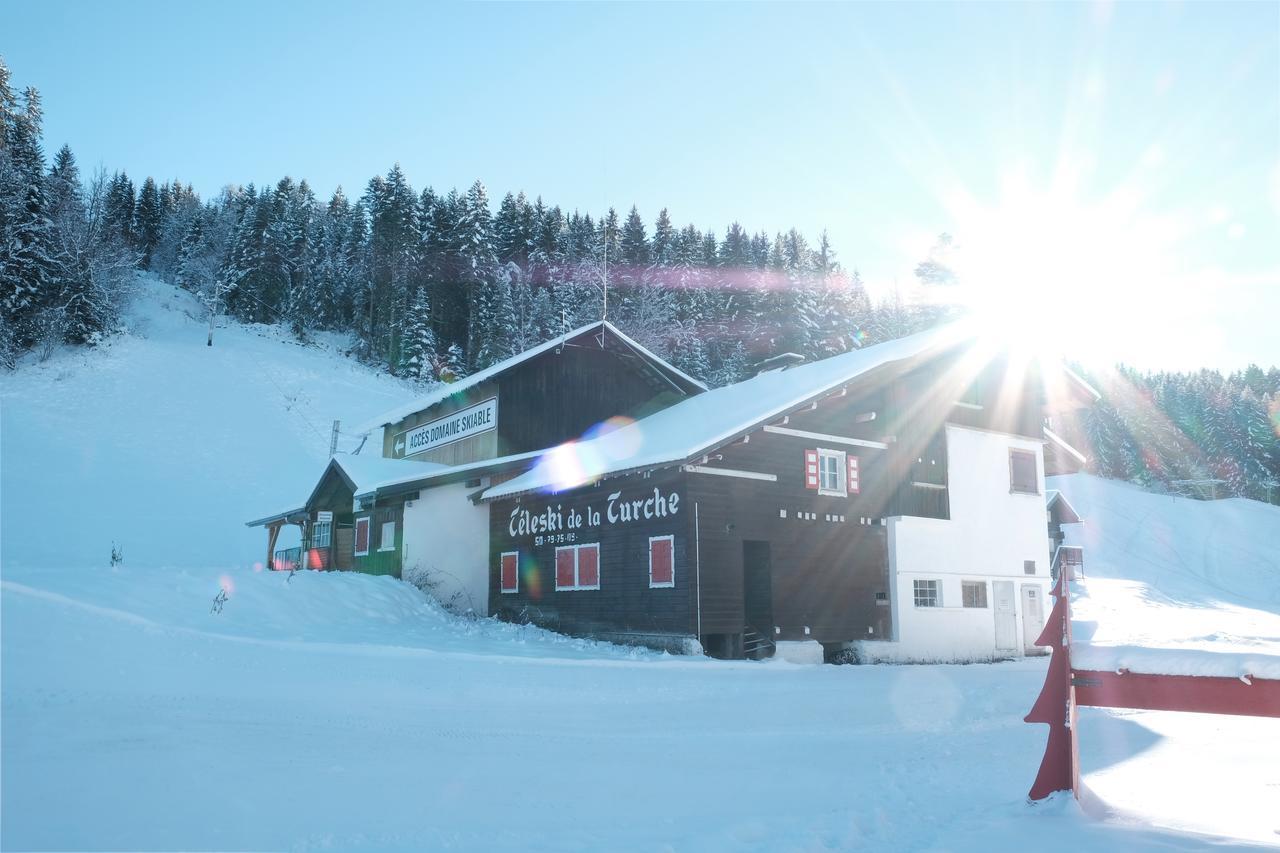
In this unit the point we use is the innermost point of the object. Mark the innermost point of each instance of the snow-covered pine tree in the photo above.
(148, 221)
(420, 359)
(477, 265)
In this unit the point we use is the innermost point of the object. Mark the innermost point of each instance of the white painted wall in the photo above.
(447, 538)
(990, 533)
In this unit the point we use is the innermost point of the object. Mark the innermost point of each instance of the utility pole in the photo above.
(605, 275)
(333, 440)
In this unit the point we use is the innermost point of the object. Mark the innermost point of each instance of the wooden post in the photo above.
(273, 533)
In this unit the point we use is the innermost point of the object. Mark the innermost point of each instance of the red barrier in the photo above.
(1064, 689)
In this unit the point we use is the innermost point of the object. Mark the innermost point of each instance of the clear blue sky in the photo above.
(885, 124)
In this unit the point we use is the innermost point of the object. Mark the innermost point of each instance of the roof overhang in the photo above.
(292, 516)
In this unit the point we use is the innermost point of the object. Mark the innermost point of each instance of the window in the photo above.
(509, 571)
(388, 540)
(322, 534)
(825, 471)
(578, 567)
(926, 594)
(1022, 472)
(1028, 567)
(974, 593)
(662, 561)
(362, 536)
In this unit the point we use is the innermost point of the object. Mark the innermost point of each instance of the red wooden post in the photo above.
(1056, 703)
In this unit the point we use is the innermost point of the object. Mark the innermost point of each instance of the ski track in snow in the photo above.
(348, 712)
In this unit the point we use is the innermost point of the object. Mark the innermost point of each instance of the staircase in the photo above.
(756, 645)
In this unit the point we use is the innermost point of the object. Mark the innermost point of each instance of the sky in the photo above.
(1111, 169)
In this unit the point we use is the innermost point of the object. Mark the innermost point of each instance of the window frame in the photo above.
(368, 536)
(382, 536)
(1014, 488)
(965, 586)
(316, 528)
(841, 489)
(936, 592)
(577, 568)
(671, 539)
(502, 581)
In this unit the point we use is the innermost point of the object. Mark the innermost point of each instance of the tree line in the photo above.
(1197, 433)
(432, 285)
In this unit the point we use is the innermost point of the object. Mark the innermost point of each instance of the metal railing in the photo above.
(287, 560)
(1070, 557)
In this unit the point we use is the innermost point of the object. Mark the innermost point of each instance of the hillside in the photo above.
(342, 711)
(166, 446)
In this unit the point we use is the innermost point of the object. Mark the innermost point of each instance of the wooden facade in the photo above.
(762, 555)
(551, 398)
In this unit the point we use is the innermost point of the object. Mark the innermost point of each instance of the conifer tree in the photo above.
(148, 219)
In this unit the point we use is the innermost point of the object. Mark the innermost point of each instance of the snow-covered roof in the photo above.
(1062, 442)
(1079, 380)
(443, 392)
(1054, 496)
(365, 472)
(705, 421)
(402, 480)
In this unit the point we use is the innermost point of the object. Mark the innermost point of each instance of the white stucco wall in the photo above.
(990, 533)
(447, 537)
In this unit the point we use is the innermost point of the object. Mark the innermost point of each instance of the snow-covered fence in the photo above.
(1066, 688)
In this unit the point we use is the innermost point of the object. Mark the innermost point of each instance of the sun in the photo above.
(1051, 272)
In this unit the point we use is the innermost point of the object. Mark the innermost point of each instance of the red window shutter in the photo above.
(588, 565)
(853, 475)
(811, 469)
(661, 562)
(510, 573)
(362, 535)
(565, 568)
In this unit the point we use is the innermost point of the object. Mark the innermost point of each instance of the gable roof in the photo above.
(362, 473)
(683, 381)
(1057, 504)
(703, 422)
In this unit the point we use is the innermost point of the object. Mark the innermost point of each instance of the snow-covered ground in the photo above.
(1174, 585)
(341, 711)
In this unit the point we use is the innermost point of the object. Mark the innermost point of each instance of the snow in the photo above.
(1172, 585)
(444, 391)
(341, 711)
(168, 447)
(705, 420)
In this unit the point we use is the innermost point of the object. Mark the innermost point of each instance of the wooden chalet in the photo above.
(888, 503)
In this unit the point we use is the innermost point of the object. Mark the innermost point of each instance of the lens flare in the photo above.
(228, 586)
(531, 579)
(576, 463)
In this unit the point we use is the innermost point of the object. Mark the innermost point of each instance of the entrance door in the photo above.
(757, 593)
(1006, 617)
(1032, 617)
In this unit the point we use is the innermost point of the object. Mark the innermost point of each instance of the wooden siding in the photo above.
(378, 561)
(827, 566)
(624, 603)
(546, 401)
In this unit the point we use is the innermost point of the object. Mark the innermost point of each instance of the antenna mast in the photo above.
(605, 274)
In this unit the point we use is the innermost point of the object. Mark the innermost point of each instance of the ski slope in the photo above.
(1173, 585)
(334, 711)
(165, 446)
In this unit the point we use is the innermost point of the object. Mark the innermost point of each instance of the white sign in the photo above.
(322, 517)
(461, 424)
